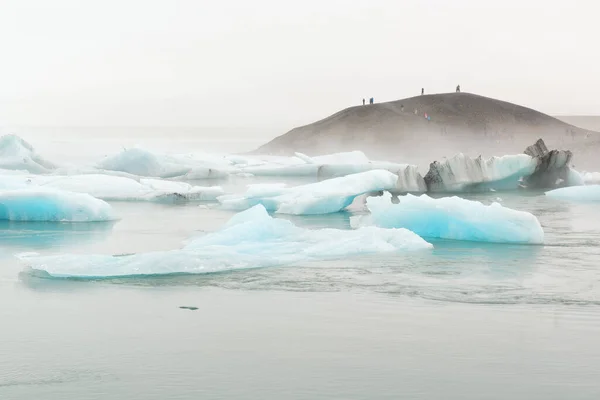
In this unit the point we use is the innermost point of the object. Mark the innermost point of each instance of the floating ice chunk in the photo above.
(17, 154)
(323, 167)
(350, 157)
(184, 190)
(305, 158)
(462, 173)
(590, 178)
(574, 178)
(453, 218)
(115, 188)
(282, 170)
(585, 193)
(251, 239)
(410, 179)
(141, 162)
(324, 197)
(39, 204)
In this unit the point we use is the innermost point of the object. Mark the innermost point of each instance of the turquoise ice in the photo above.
(453, 218)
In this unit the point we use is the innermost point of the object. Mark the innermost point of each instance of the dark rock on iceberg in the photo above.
(552, 169)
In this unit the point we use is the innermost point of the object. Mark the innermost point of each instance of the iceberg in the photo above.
(536, 168)
(552, 168)
(331, 166)
(464, 174)
(590, 178)
(410, 180)
(349, 157)
(452, 218)
(140, 162)
(587, 193)
(17, 154)
(115, 188)
(251, 239)
(38, 204)
(324, 197)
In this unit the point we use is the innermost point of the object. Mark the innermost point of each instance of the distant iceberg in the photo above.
(39, 204)
(536, 168)
(464, 174)
(553, 168)
(140, 162)
(590, 178)
(452, 218)
(324, 197)
(587, 193)
(251, 239)
(115, 188)
(333, 166)
(17, 154)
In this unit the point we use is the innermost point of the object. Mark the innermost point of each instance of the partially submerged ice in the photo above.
(324, 197)
(552, 168)
(48, 205)
(587, 193)
(251, 239)
(535, 169)
(463, 174)
(590, 178)
(452, 218)
(115, 188)
(140, 162)
(334, 166)
(17, 154)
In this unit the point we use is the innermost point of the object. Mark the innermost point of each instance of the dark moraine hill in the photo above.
(459, 122)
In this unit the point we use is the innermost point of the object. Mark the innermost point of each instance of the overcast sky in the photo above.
(278, 63)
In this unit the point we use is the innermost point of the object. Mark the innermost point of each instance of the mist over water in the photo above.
(466, 320)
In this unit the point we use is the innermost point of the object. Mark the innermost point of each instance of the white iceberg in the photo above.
(590, 178)
(39, 204)
(17, 154)
(115, 188)
(452, 218)
(140, 162)
(324, 197)
(349, 157)
(587, 193)
(330, 166)
(251, 239)
(462, 173)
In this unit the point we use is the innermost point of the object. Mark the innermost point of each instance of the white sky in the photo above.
(277, 63)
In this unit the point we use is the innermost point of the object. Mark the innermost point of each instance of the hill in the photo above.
(458, 122)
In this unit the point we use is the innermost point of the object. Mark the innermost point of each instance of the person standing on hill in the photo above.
(458, 89)
(363, 102)
(422, 91)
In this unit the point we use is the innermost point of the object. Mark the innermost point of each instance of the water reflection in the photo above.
(19, 235)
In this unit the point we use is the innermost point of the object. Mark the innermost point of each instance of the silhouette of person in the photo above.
(458, 89)
(363, 102)
(371, 100)
(422, 91)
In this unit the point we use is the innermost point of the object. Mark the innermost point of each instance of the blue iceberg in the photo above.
(39, 205)
(452, 218)
(251, 239)
(329, 196)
